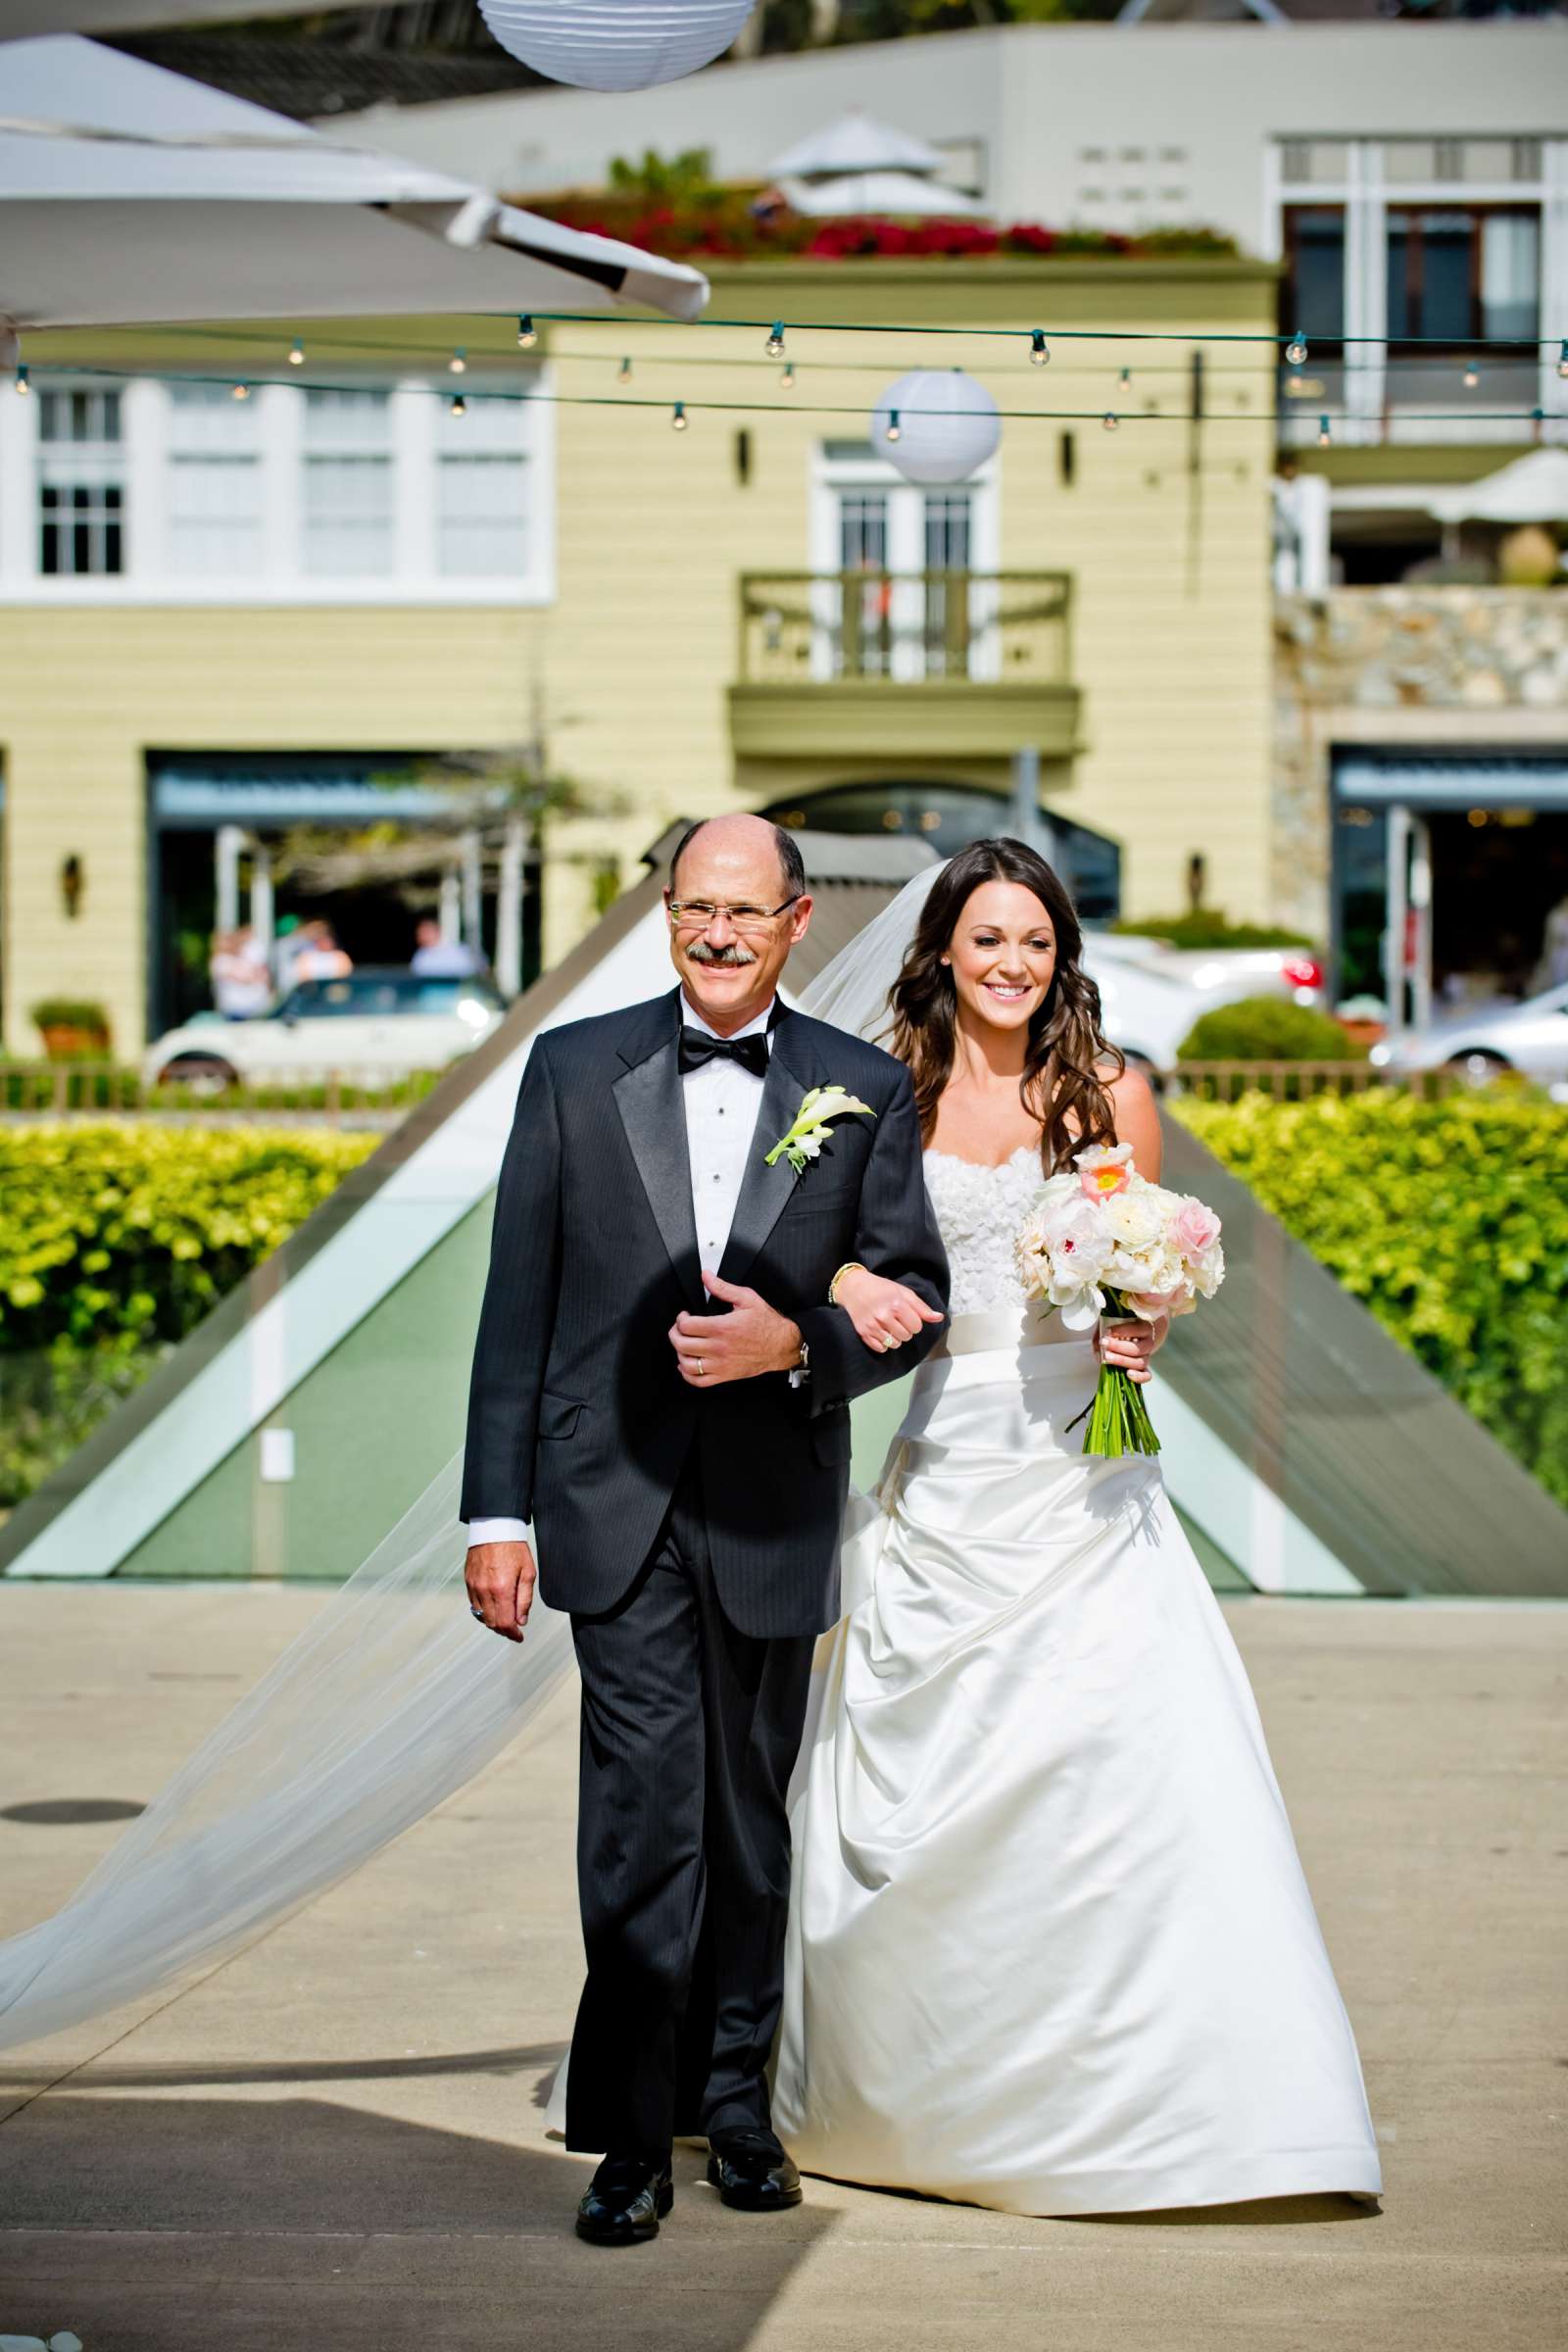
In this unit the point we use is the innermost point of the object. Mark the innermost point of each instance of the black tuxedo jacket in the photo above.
(577, 1416)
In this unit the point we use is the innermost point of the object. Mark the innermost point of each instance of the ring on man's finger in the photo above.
(699, 1363)
(474, 1612)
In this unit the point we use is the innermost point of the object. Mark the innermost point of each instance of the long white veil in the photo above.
(388, 1702)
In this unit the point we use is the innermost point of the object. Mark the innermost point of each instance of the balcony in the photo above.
(886, 664)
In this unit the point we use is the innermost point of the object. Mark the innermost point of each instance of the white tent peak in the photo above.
(855, 142)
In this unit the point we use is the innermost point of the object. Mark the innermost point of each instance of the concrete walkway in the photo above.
(336, 2139)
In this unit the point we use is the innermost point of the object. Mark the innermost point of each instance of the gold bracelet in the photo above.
(853, 1267)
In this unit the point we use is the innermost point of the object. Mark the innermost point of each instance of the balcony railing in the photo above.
(908, 628)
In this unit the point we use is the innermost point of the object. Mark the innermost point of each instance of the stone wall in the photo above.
(1435, 668)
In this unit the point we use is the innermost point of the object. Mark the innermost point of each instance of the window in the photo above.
(1453, 274)
(348, 506)
(81, 484)
(1314, 244)
(482, 491)
(214, 502)
(863, 531)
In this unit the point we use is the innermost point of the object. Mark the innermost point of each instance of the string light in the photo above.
(1125, 380)
(623, 373)
(1324, 433)
(240, 392)
(895, 431)
(1472, 376)
(459, 407)
(296, 352)
(1039, 349)
(458, 365)
(22, 383)
(528, 333)
(1110, 420)
(679, 420)
(774, 346)
(1295, 350)
(1562, 360)
(787, 378)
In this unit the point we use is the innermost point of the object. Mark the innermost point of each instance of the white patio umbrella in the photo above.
(129, 194)
(1530, 489)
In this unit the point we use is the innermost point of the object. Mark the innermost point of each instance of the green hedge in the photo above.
(1448, 1218)
(129, 1234)
(1267, 1029)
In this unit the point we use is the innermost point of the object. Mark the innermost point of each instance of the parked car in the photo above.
(1150, 993)
(1530, 1039)
(376, 1025)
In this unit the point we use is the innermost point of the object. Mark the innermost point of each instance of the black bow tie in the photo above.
(698, 1046)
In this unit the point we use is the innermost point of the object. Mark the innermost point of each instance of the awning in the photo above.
(132, 194)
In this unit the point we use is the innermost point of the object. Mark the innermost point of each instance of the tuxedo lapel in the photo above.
(648, 1097)
(763, 1189)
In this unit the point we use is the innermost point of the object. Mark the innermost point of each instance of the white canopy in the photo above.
(890, 194)
(128, 193)
(856, 143)
(1532, 489)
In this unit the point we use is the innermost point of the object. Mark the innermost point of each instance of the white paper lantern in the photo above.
(615, 44)
(936, 425)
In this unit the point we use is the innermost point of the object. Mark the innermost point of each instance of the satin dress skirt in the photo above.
(1050, 1944)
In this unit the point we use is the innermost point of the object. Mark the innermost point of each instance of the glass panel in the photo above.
(863, 531)
(349, 485)
(81, 483)
(213, 487)
(1316, 300)
(1406, 160)
(1447, 240)
(947, 517)
(1510, 274)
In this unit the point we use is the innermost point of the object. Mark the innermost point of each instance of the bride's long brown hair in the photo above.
(1062, 1084)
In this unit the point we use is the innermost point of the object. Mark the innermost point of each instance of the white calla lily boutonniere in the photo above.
(814, 1124)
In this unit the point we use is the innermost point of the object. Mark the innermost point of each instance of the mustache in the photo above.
(735, 956)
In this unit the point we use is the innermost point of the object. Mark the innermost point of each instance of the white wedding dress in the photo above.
(1050, 1944)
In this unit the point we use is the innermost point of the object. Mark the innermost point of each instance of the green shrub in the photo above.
(129, 1234)
(68, 1012)
(1448, 1218)
(1209, 929)
(50, 1402)
(1267, 1029)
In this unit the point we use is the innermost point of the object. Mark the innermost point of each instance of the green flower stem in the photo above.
(1117, 1416)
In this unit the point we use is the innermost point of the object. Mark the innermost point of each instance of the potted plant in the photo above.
(73, 1028)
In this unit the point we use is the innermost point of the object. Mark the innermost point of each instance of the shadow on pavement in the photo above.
(263, 2226)
(523, 2058)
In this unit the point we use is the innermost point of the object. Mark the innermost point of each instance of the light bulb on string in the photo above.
(459, 407)
(240, 392)
(1472, 375)
(296, 352)
(1125, 381)
(1324, 432)
(1110, 420)
(528, 333)
(774, 346)
(1295, 350)
(679, 420)
(787, 377)
(623, 373)
(895, 431)
(1039, 348)
(1562, 360)
(23, 383)
(458, 365)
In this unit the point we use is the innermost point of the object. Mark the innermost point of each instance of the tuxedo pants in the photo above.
(690, 1732)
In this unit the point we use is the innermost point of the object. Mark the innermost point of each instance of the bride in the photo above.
(1050, 1944)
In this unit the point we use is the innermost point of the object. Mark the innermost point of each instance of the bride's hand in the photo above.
(1129, 1346)
(884, 1313)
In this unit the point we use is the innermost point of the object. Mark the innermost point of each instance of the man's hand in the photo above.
(501, 1579)
(753, 1338)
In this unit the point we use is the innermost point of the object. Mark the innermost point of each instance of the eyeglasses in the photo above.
(694, 914)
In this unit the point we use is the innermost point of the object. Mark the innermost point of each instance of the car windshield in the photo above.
(383, 995)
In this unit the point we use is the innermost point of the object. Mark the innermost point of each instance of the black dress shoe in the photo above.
(752, 2173)
(626, 2200)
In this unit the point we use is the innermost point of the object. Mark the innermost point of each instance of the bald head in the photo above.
(739, 839)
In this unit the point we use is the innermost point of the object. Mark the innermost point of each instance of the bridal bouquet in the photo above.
(1102, 1238)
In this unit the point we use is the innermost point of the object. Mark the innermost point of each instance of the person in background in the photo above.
(438, 958)
(319, 956)
(242, 985)
(287, 941)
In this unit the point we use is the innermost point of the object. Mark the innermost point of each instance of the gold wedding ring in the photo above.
(699, 1363)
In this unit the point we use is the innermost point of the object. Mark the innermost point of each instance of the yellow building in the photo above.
(242, 615)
